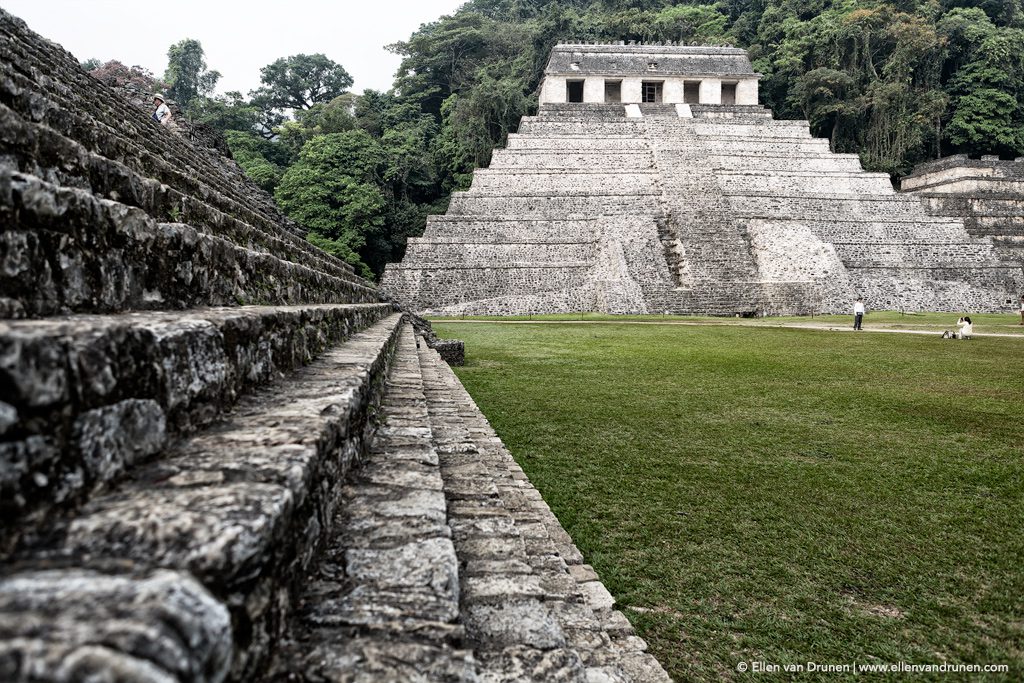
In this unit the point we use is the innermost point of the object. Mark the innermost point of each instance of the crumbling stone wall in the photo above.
(986, 193)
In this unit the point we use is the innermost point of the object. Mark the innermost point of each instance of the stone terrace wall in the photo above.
(987, 194)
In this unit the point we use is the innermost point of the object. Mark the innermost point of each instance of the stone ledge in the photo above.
(69, 625)
(243, 506)
(93, 394)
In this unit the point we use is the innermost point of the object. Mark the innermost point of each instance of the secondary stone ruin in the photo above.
(223, 456)
(987, 193)
(650, 181)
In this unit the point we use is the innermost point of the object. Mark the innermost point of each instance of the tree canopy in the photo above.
(187, 76)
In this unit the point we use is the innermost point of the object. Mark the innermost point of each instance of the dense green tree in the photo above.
(332, 191)
(301, 81)
(186, 75)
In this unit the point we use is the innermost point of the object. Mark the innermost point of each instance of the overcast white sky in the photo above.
(238, 37)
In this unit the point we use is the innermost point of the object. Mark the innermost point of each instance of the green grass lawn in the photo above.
(780, 495)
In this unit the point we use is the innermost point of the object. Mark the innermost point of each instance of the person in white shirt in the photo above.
(162, 113)
(858, 313)
(966, 327)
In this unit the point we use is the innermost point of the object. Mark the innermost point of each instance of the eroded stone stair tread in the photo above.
(79, 253)
(382, 601)
(244, 506)
(94, 393)
(147, 626)
(52, 71)
(525, 613)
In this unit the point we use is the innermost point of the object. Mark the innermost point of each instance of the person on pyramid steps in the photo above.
(161, 112)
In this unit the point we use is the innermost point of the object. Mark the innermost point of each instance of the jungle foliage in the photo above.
(897, 81)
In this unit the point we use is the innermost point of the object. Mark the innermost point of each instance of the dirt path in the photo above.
(723, 323)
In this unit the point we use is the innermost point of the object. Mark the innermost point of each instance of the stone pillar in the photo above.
(553, 90)
(672, 91)
(631, 90)
(593, 89)
(711, 91)
(746, 91)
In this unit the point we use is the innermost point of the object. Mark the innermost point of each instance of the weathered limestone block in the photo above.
(95, 394)
(77, 625)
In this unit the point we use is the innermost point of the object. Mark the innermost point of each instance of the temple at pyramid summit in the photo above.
(651, 180)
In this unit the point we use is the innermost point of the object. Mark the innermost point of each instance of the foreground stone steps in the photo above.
(382, 601)
(445, 565)
(243, 507)
(143, 626)
(68, 251)
(524, 612)
(87, 396)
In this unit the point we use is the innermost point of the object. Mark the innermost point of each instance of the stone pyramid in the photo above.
(700, 205)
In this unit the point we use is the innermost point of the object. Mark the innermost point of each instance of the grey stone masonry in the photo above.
(92, 394)
(217, 456)
(987, 194)
(445, 563)
(530, 608)
(695, 208)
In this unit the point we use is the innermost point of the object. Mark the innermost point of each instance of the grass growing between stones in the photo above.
(779, 495)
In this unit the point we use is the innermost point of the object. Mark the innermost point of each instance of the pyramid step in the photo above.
(524, 610)
(148, 625)
(89, 395)
(71, 252)
(39, 78)
(382, 603)
(138, 178)
(243, 506)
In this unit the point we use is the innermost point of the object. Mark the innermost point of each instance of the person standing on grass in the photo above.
(858, 313)
(1022, 310)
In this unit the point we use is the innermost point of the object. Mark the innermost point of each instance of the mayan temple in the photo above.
(652, 181)
(224, 456)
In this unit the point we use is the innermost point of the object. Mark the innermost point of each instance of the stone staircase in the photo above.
(222, 456)
(717, 270)
(447, 564)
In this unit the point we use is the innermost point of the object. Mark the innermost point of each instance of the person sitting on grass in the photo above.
(966, 328)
